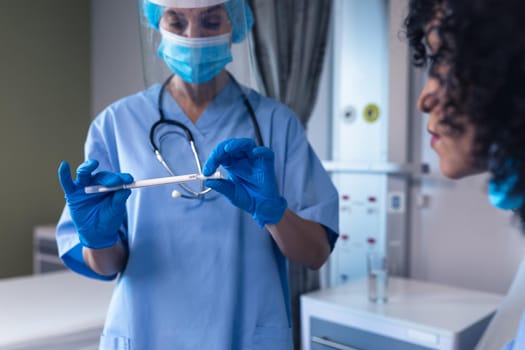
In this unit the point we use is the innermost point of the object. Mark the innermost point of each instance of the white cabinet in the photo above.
(45, 250)
(417, 316)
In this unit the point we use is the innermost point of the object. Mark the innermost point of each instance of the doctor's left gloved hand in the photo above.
(251, 183)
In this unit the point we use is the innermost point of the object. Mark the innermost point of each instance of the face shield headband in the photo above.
(239, 13)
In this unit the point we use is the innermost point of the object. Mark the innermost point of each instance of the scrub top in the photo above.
(201, 274)
(519, 342)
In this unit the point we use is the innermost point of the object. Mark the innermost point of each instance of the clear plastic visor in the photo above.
(196, 40)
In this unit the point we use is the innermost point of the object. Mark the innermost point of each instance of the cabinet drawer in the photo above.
(325, 335)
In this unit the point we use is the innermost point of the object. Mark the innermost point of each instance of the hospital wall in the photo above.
(116, 52)
(44, 112)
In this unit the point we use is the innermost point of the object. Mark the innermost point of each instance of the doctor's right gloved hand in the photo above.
(97, 217)
(251, 185)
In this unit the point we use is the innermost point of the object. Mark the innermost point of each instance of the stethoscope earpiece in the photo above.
(176, 194)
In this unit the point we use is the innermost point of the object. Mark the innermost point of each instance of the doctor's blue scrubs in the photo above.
(201, 274)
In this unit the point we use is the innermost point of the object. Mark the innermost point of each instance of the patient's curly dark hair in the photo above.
(482, 42)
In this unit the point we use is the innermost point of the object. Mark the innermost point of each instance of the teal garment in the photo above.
(502, 193)
(201, 274)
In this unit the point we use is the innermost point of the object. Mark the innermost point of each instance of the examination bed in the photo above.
(58, 311)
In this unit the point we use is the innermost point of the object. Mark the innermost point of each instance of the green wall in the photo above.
(44, 115)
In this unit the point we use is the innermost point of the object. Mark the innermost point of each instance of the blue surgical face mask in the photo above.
(502, 193)
(195, 60)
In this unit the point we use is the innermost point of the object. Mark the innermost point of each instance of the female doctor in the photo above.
(475, 94)
(206, 270)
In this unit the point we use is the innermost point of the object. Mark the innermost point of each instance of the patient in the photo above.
(475, 94)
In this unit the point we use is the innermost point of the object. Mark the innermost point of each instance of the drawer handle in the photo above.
(331, 344)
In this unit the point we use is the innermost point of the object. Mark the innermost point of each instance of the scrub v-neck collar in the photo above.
(219, 108)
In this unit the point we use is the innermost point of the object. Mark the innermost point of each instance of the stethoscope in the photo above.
(191, 193)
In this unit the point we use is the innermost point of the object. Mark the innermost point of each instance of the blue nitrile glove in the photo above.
(251, 183)
(97, 217)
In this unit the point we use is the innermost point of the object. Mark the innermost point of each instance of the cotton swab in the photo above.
(152, 182)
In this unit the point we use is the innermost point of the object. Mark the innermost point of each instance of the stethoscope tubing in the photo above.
(189, 136)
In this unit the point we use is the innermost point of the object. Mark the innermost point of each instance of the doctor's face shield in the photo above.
(195, 39)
